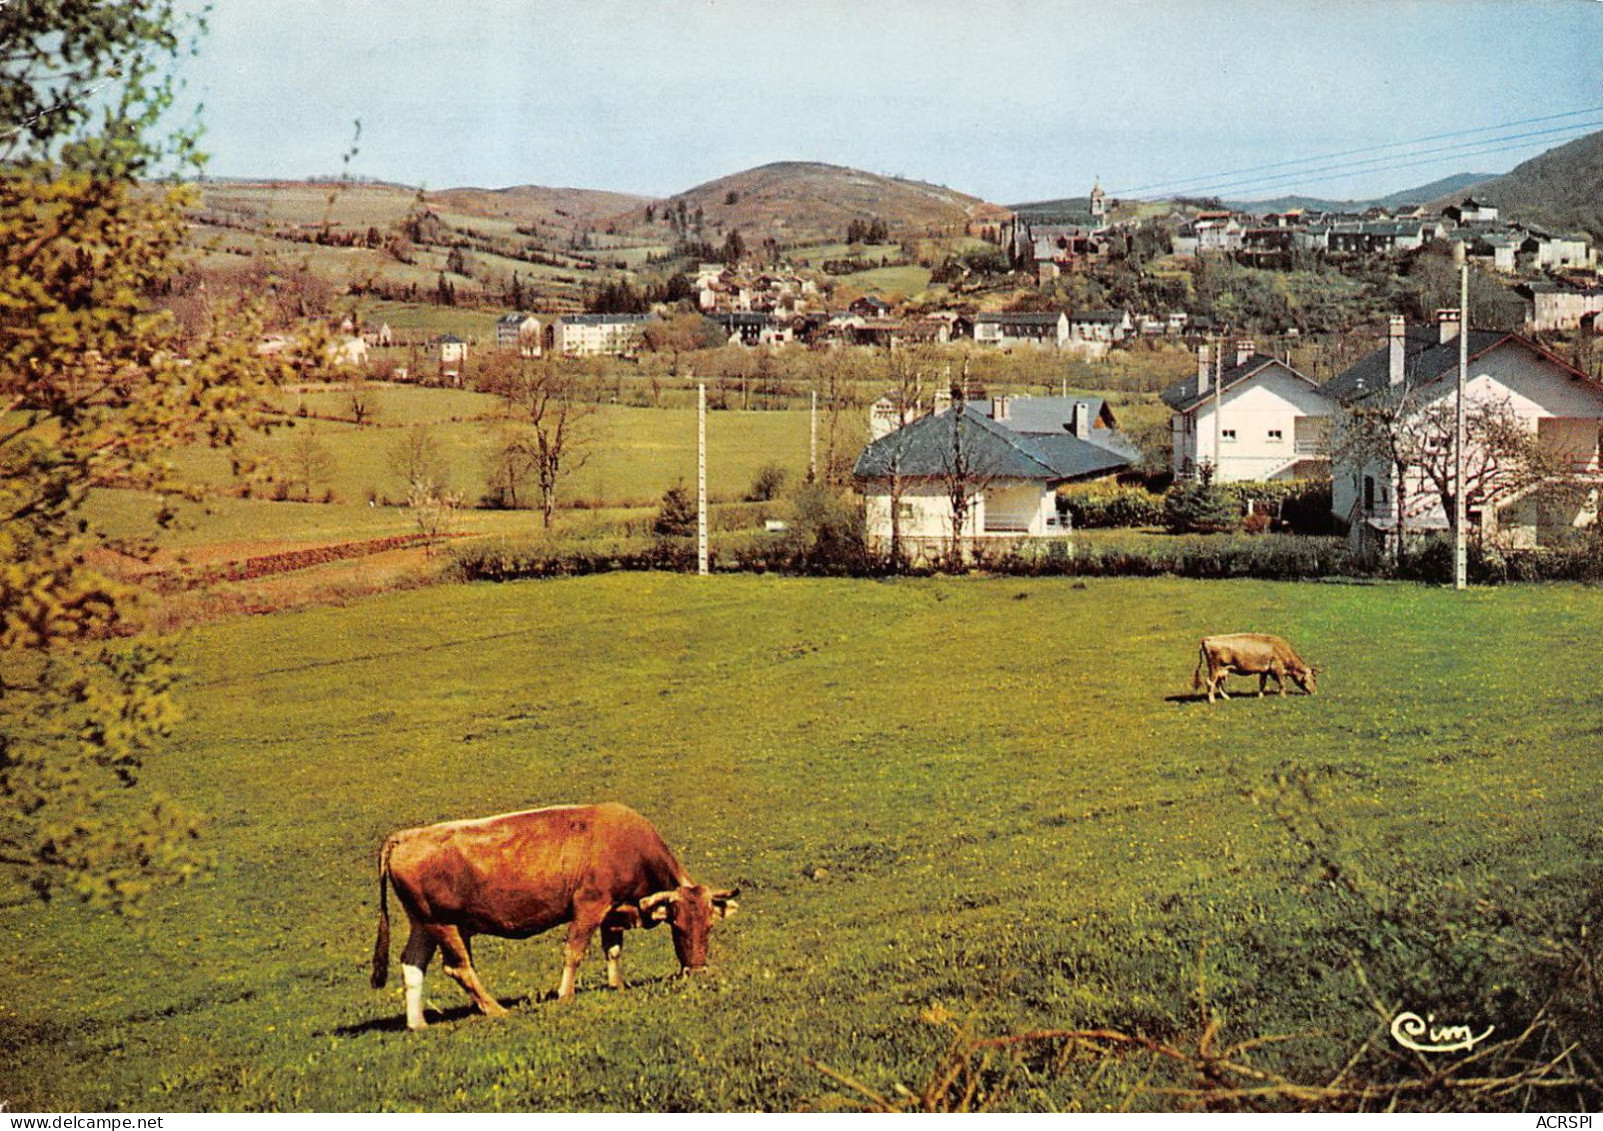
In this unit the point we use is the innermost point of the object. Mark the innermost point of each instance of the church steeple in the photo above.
(1099, 206)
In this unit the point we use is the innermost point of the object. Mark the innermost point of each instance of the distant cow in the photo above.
(1250, 653)
(518, 874)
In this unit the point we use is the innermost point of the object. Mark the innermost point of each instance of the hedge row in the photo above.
(265, 565)
(1303, 505)
(1104, 507)
(509, 560)
(1277, 558)
(1280, 557)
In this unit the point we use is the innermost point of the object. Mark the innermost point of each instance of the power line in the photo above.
(1484, 147)
(1176, 185)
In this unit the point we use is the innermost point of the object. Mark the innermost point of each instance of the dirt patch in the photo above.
(333, 583)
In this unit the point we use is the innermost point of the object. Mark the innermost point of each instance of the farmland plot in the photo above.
(989, 802)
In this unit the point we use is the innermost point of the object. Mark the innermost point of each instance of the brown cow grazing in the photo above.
(515, 875)
(1250, 653)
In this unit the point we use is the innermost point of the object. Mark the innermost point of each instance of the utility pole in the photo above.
(701, 479)
(1460, 509)
(812, 439)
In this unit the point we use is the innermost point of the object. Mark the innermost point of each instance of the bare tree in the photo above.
(1503, 456)
(967, 471)
(547, 398)
(508, 465)
(1414, 438)
(1375, 430)
(433, 509)
(361, 399)
(307, 463)
(418, 460)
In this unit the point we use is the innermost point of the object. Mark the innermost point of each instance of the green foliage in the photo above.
(97, 387)
(1200, 508)
(827, 535)
(677, 513)
(1282, 557)
(57, 54)
(767, 483)
(1110, 505)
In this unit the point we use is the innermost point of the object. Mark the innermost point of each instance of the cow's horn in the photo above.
(656, 904)
(726, 894)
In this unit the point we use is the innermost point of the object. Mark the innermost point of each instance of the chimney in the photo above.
(1080, 422)
(1396, 331)
(1203, 370)
(999, 409)
(1448, 324)
(1244, 350)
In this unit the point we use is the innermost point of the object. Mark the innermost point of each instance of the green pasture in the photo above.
(632, 455)
(898, 282)
(993, 800)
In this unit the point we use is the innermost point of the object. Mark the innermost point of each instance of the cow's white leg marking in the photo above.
(588, 916)
(413, 977)
(615, 966)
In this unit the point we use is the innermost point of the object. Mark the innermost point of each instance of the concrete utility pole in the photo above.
(1460, 535)
(812, 439)
(701, 479)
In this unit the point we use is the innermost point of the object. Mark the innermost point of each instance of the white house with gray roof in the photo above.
(1249, 417)
(1561, 405)
(1010, 477)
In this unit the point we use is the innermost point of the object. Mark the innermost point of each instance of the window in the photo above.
(1369, 492)
(904, 511)
(1228, 435)
(1276, 435)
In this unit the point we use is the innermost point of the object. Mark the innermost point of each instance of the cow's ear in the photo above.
(723, 903)
(655, 906)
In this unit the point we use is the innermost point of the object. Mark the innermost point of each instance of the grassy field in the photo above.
(992, 800)
(634, 455)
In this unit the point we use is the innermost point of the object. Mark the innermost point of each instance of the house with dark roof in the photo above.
(1417, 368)
(1471, 211)
(1093, 333)
(453, 350)
(519, 331)
(871, 306)
(1560, 306)
(1010, 477)
(1049, 329)
(1248, 416)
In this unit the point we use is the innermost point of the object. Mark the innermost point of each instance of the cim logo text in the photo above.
(1422, 1034)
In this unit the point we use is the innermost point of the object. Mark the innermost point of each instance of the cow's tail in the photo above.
(1202, 659)
(381, 946)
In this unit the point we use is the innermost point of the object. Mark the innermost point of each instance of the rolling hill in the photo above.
(527, 205)
(1450, 187)
(1561, 189)
(800, 201)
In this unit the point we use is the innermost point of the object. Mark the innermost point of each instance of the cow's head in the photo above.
(1307, 678)
(689, 909)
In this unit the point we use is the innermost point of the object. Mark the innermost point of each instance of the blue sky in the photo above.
(1007, 100)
